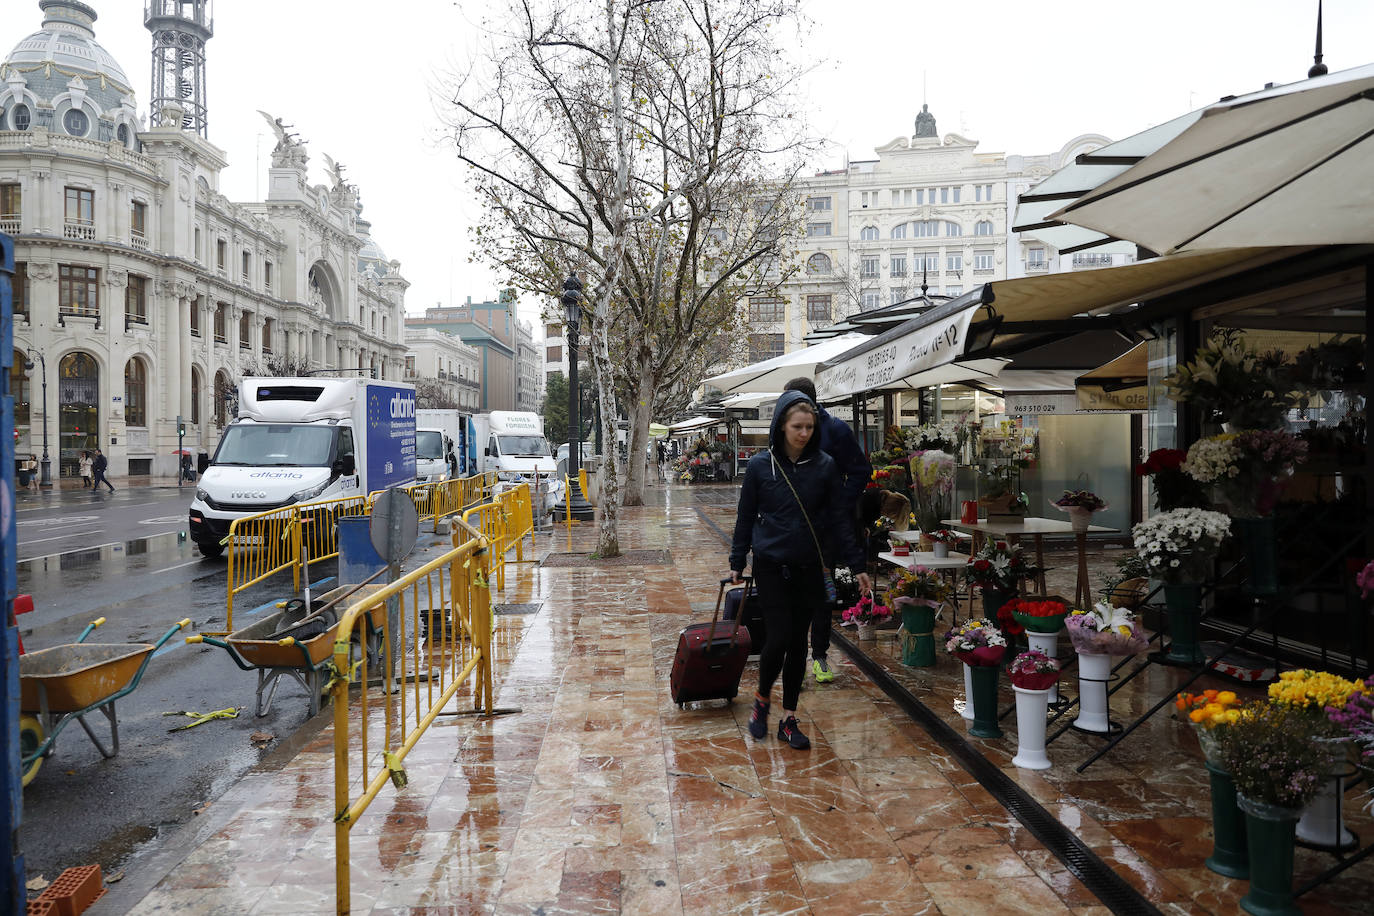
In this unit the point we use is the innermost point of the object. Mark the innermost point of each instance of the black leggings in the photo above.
(790, 597)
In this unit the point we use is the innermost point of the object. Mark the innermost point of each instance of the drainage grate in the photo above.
(1097, 876)
(516, 608)
(626, 558)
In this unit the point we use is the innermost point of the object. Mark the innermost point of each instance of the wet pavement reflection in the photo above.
(601, 795)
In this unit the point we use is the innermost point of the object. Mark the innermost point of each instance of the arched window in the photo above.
(899, 231)
(953, 229)
(818, 264)
(195, 396)
(223, 392)
(135, 393)
(983, 227)
(868, 234)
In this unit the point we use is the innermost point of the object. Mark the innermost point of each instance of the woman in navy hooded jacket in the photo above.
(787, 567)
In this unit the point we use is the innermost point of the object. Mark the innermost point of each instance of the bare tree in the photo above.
(431, 394)
(652, 148)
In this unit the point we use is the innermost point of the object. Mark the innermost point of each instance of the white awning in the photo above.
(772, 374)
(694, 423)
(751, 399)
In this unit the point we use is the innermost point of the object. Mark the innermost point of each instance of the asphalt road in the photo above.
(126, 557)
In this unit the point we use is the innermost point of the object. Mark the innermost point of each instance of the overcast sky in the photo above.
(354, 79)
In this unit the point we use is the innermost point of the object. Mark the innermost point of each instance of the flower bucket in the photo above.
(1257, 540)
(918, 633)
(1269, 836)
(993, 599)
(940, 549)
(1093, 673)
(1034, 624)
(985, 700)
(1049, 644)
(867, 632)
(1229, 854)
(1031, 708)
(967, 711)
(1183, 602)
(1323, 823)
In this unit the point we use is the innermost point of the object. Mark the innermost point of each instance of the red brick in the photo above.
(74, 890)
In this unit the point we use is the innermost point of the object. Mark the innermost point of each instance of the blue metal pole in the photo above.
(11, 787)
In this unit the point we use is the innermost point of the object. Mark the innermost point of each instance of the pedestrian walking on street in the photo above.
(839, 442)
(791, 503)
(85, 466)
(98, 467)
(32, 465)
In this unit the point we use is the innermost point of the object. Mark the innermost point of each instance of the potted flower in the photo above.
(1323, 698)
(1080, 504)
(1233, 384)
(846, 586)
(999, 491)
(865, 615)
(1272, 753)
(1033, 674)
(1097, 634)
(997, 568)
(1128, 584)
(1173, 489)
(941, 540)
(981, 650)
(1209, 713)
(918, 595)
(1041, 619)
(973, 623)
(1180, 547)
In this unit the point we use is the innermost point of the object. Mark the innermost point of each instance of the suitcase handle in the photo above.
(745, 581)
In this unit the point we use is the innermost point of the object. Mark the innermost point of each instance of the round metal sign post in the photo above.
(392, 528)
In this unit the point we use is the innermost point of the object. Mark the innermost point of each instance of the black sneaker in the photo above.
(758, 719)
(790, 731)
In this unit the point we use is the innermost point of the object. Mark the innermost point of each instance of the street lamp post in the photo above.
(44, 464)
(572, 502)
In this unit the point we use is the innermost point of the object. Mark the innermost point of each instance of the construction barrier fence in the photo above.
(437, 636)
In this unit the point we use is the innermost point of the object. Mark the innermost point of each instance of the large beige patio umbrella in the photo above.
(1293, 165)
(772, 374)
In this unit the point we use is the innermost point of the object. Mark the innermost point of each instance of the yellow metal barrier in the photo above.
(504, 522)
(450, 601)
(262, 545)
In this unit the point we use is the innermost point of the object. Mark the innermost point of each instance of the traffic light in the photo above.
(181, 428)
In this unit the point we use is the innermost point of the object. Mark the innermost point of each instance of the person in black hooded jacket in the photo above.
(795, 518)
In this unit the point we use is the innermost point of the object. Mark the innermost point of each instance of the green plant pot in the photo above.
(918, 636)
(1257, 540)
(1183, 603)
(1035, 624)
(985, 701)
(993, 601)
(1229, 857)
(1269, 835)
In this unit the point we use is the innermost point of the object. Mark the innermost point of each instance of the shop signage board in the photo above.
(1086, 399)
(927, 347)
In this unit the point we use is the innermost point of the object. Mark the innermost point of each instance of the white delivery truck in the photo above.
(442, 445)
(298, 440)
(512, 444)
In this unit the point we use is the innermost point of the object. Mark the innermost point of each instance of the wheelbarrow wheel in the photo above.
(30, 740)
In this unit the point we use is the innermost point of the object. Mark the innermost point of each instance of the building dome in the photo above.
(370, 257)
(59, 78)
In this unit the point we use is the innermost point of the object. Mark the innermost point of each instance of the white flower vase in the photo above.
(1049, 644)
(1031, 709)
(940, 549)
(1322, 823)
(1080, 518)
(968, 692)
(1093, 673)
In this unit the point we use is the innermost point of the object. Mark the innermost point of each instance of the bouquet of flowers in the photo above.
(1081, 499)
(865, 612)
(940, 437)
(1365, 579)
(1356, 720)
(979, 646)
(846, 586)
(1173, 488)
(919, 585)
(1274, 754)
(1034, 670)
(932, 483)
(998, 565)
(1244, 470)
(1104, 630)
(943, 536)
(1317, 694)
(1179, 546)
(1232, 383)
(1037, 615)
(1208, 712)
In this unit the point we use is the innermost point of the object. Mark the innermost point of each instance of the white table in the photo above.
(1032, 526)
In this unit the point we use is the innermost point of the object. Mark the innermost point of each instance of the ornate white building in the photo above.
(442, 359)
(927, 211)
(146, 292)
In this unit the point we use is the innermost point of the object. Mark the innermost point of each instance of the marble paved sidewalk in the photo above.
(602, 796)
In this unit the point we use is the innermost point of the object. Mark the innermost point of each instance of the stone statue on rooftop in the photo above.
(925, 123)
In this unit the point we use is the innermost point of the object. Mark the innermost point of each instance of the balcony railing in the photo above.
(9, 223)
(1037, 267)
(78, 229)
(1092, 260)
(133, 318)
(138, 240)
(78, 311)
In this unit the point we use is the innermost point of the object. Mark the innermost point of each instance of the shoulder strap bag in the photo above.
(830, 593)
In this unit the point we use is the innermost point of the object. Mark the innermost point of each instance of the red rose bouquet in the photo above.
(1037, 615)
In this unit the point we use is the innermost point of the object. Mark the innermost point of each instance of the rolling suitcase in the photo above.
(752, 617)
(710, 657)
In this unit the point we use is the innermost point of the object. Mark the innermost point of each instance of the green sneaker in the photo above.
(821, 669)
